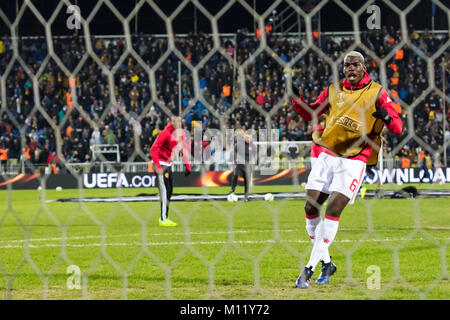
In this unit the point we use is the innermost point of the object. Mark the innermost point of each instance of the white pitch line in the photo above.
(70, 238)
(178, 234)
(139, 234)
(138, 244)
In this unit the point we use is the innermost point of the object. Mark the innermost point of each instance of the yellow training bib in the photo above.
(349, 121)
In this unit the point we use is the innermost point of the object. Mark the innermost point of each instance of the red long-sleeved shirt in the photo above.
(383, 101)
(164, 147)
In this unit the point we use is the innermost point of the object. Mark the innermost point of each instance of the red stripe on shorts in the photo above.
(359, 184)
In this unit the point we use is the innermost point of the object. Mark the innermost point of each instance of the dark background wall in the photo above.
(333, 18)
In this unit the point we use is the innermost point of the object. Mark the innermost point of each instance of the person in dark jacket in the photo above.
(243, 164)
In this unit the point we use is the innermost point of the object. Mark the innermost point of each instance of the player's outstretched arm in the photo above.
(305, 110)
(185, 152)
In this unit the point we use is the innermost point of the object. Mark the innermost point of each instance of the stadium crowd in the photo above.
(133, 111)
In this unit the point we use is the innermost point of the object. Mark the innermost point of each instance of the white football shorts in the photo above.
(313, 161)
(334, 174)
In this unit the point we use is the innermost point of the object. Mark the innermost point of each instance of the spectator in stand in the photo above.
(110, 137)
(3, 157)
(134, 98)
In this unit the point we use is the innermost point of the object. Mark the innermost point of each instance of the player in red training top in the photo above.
(356, 111)
(165, 148)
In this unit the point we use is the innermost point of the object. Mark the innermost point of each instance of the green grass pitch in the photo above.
(384, 249)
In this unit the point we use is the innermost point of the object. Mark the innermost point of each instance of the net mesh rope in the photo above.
(229, 238)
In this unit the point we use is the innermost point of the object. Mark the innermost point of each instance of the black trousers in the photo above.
(165, 187)
(426, 174)
(241, 170)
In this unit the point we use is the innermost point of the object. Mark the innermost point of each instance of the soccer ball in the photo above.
(58, 188)
(268, 197)
(442, 182)
(232, 197)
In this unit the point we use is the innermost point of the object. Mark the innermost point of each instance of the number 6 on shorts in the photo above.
(353, 185)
